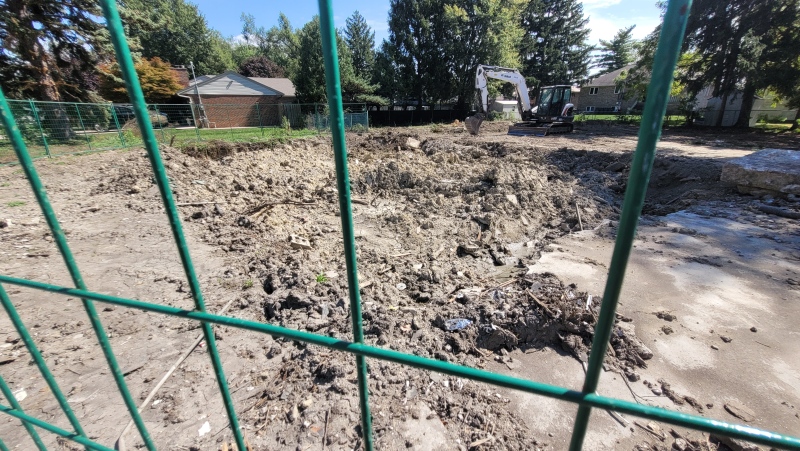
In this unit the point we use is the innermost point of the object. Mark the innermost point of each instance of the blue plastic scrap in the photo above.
(456, 323)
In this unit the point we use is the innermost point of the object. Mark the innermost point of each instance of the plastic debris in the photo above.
(204, 429)
(456, 323)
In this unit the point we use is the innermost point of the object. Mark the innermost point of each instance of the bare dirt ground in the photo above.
(512, 234)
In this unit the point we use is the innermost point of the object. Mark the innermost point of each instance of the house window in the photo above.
(590, 109)
(617, 89)
(593, 91)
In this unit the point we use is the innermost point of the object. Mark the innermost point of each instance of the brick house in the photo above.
(233, 100)
(603, 94)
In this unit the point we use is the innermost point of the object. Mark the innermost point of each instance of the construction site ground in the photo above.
(512, 234)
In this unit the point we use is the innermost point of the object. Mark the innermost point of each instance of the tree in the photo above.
(616, 53)
(279, 43)
(159, 82)
(175, 31)
(310, 82)
(261, 66)
(554, 47)
(40, 39)
(360, 40)
(741, 47)
(435, 46)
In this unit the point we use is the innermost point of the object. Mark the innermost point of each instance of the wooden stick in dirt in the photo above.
(578, 210)
(196, 204)
(779, 211)
(540, 304)
(120, 440)
(272, 204)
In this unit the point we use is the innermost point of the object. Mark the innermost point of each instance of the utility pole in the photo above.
(203, 119)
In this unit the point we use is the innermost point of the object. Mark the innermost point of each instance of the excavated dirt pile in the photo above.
(448, 232)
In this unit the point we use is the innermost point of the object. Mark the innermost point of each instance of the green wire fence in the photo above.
(658, 94)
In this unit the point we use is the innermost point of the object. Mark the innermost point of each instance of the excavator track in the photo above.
(539, 129)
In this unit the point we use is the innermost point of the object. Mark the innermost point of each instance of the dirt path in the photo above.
(461, 228)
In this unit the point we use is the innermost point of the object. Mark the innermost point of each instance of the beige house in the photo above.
(603, 95)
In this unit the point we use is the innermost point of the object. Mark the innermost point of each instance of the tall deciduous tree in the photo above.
(554, 47)
(278, 43)
(618, 52)
(360, 40)
(175, 31)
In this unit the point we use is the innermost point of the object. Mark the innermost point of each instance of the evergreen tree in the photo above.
(554, 47)
(435, 46)
(261, 66)
(310, 81)
(360, 40)
(46, 45)
(741, 47)
(616, 53)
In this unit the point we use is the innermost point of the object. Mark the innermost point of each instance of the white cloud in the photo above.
(604, 27)
(599, 4)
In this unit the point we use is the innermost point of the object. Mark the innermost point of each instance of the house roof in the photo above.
(608, 79)
(280, 86)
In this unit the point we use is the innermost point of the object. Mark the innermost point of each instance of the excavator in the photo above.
(552, 114)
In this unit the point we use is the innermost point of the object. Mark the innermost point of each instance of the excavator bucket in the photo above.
(473, 123)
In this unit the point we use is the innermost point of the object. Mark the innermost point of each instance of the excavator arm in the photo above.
(482, 76)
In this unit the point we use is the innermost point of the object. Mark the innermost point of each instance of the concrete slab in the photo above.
(768, 169)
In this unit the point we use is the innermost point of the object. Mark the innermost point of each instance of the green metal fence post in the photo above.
(41, 129)
(116, 123)
(61, 243)
(9, 395)
(194, 121)
(39, 360)
(134, 90)
(666, 57)
(334, 91)
(80, 120)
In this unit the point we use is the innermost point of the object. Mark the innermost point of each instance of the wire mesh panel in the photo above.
(152, 122)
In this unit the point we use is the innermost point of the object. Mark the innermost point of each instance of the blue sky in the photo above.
(606, 16)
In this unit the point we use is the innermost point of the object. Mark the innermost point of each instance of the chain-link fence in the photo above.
(61, 128)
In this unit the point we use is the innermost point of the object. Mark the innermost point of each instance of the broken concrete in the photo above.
(775, 170)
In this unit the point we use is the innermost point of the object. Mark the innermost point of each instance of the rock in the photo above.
(5, 223)
(666, 316)
(219, 210)
(681, 445)
(298, 242)
(740, 411)
(656, 391)
(198, 214)
(734, 444)
(308, 402)
(615, 167)
(512, 198)
(134, 189)
(293, 414)
(725, 339)
(791, 189)
(632, 376)
(412, 143)
(768, 169)
(715, 347)
(667, 330)
(498, 338)
(30, 222)
(753, 329)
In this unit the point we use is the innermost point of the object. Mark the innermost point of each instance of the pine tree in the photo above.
(360, 40)
(741, 47)
(554, 47)
(616, 53)
(42, 41)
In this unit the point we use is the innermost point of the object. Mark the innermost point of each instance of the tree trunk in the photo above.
(723, 106)
(794, 121)
(748, 97)
(31, 48)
